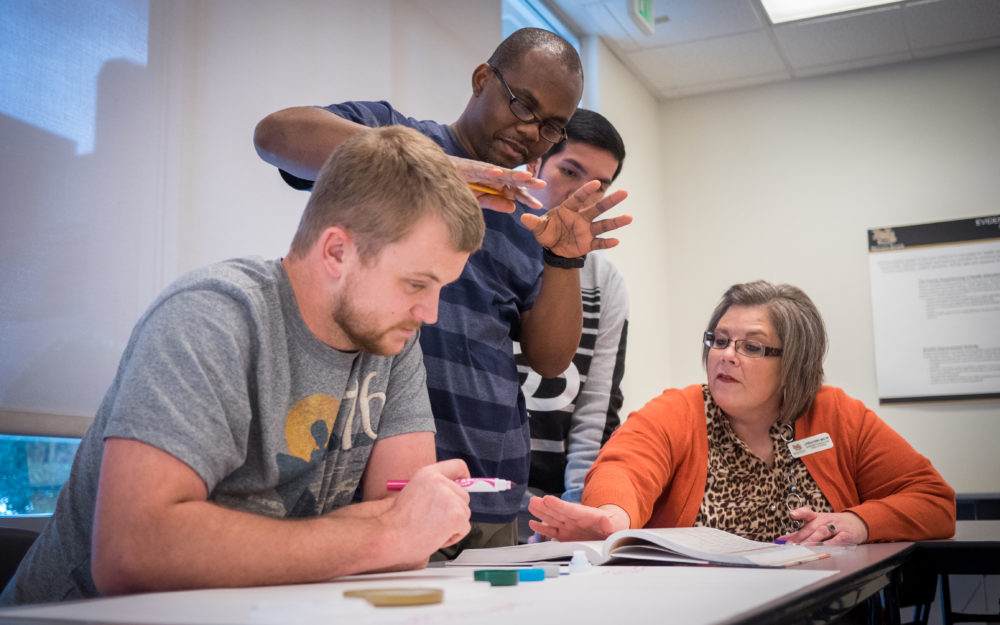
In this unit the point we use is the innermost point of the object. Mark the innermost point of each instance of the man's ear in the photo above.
(479, 77)
(336, 248)
(535, 166)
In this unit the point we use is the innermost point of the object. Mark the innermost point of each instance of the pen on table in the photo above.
(471, 484)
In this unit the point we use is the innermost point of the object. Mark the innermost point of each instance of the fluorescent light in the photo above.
(789, 10)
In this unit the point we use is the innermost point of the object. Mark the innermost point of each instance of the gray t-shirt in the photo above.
(223, 374)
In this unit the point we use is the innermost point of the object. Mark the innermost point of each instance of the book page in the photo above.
(535, 552)
(713, 545)
(703, 540)
(672, 544)
(654, 553)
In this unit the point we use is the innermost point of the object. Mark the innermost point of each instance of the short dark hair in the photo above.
(522, 41)
(593, 129)
(801, 331)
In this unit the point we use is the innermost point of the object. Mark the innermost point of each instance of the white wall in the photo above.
(255, 57)
(781, 182)
(641, 256)
(174, 182)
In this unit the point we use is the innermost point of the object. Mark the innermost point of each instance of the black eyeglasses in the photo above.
(550, 131)
(750, 349)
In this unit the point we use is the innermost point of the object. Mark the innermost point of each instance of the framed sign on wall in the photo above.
(936, 310)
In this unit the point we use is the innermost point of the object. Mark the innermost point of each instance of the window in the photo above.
(52, 55)
(32, 470)
(524, 13)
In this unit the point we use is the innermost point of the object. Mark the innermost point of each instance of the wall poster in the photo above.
(936, 309)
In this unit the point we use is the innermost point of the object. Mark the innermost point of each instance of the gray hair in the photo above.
(801, 331)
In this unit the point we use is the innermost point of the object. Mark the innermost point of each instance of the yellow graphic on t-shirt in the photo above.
(307, 412)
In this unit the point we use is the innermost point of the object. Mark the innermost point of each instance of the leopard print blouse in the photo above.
(742, 494)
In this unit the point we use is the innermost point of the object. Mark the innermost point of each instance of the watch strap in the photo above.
(561, 262)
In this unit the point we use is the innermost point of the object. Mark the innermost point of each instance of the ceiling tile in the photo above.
(842, 40)
(709, 45)
(619, 20)
(846, 66)
(689, 21)
(940, 24)
(625, 37)
(710, 61)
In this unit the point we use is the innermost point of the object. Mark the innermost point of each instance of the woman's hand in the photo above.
(564, 521)
(831, 528)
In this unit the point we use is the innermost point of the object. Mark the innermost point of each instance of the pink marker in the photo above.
(471, 484)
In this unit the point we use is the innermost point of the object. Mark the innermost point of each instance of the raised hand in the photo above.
(570, 229)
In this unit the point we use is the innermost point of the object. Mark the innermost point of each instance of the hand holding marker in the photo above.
(471, 484)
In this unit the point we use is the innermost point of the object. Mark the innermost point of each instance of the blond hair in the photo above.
(802, 333)
(382, 181)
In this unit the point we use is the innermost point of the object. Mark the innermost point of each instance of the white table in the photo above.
(606, 595)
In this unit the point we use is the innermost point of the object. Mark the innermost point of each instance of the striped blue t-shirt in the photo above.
(472, 377)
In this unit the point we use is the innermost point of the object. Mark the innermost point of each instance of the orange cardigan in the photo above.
(655, 466)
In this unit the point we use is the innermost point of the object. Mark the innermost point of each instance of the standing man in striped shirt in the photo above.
(523, 285)
(572, 415)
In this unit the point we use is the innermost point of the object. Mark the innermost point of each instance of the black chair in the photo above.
(14, 543)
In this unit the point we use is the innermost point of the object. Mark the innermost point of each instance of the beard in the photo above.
(364, 332)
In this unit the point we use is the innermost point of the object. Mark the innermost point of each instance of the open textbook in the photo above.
(680, 545)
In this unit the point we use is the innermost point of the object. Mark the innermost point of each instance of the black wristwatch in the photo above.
(554, 260)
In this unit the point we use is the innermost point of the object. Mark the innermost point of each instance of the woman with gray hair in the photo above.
(763, 450)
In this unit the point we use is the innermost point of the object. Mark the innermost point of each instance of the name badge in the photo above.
(810, 445)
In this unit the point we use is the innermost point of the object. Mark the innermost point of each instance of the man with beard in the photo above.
(257, 400)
